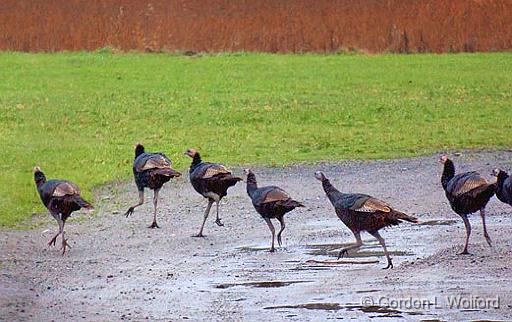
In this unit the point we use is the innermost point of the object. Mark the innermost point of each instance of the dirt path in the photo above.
(118, 269)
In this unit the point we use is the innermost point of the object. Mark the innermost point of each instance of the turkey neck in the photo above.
(502, 176)
(40, 179)
(138, 151)
(196, 160)
(448, 173)
(252, 185)
(332, 193)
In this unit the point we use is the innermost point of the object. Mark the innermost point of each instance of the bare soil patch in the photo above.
(117, 269)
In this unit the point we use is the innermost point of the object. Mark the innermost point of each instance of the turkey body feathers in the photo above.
(208, 177)
(272, 207)
(152, 170)
(504, 188)
(369, 219)
(64, 204)
(151, 160)
(471, 201)
(465, 182)
(466, 192)
(259, 195)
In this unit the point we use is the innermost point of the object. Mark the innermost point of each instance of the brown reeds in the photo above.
(398, 26)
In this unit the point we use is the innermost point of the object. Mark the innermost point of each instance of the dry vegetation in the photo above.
(267, 25)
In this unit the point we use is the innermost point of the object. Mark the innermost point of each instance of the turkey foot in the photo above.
(390, 265)
(129, 212)
(343, 253)
(64, 245)
(53, 240)
(154, 225)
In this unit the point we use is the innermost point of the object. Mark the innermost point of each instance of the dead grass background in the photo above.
(398, 26)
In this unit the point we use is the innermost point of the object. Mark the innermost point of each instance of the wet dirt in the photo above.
(261, 284)
(117, 269)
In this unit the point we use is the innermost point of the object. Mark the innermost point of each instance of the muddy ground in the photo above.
(117, 269)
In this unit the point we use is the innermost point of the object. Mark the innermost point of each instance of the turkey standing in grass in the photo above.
(270, 202)
(212, 181)
(503, 186)
(61, 198)
(151, 170)
(360, 212)
(467, 193)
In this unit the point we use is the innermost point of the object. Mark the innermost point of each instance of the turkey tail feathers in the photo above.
(401, 216)
(297, 204)
(82, 203)
(231, 178)
(167, 172)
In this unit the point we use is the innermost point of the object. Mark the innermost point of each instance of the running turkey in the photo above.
(61, 198)
(360, 212)
(503, 186)
(467, 193)
(270, 202)
(150, 170)
(212, 181)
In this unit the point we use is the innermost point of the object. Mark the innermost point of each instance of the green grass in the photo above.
(77, 115)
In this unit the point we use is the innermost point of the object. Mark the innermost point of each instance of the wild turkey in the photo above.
(150, 170)
(360, 212)
(61, 198)
(467, 193)
(270, 202)
(503, 186)
(212, 181)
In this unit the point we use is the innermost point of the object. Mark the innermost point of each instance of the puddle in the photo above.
(379, 253)
(438, 222)
(341, 262)
(375, 309)
(261, 284)
(382, 311)
(309, 306)
(334, 249)
(368, 291)
(249, 249)
(328, 246)
(311, 268)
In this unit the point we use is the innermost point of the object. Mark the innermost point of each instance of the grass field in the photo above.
(77, 115)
